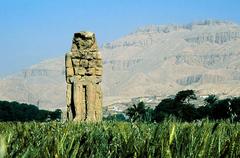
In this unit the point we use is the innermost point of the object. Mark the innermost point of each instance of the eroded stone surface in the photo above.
(83, 76)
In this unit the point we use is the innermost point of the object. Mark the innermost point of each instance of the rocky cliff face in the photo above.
(153, 60)
(42, 85)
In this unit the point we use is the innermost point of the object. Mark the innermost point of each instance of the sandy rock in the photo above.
(69, 72)
(83, 76)
(80, 71)
(98, 71)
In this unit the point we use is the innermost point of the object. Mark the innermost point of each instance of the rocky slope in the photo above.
(153, 60)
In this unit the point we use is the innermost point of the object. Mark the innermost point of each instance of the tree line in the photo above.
(182, 107)
(14, 111)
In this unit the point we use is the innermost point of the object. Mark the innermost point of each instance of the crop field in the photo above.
(170, 138)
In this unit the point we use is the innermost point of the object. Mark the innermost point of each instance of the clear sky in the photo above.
(34, 30)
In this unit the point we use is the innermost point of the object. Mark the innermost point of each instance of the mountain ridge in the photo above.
(153, 60)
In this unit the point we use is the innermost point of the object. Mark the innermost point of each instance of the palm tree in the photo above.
(185, 96)
(211, 99)
(136, 112)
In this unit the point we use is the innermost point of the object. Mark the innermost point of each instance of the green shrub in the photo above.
(14, 111)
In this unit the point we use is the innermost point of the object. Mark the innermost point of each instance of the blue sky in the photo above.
(34, 30)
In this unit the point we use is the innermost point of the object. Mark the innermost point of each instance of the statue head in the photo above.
(84, 40)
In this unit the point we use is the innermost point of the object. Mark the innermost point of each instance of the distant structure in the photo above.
(83, 76)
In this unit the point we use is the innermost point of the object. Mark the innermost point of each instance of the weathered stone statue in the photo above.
(83, 77)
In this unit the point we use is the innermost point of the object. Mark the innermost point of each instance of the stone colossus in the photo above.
(83, 76)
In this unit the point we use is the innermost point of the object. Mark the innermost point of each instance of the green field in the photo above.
(120, 139)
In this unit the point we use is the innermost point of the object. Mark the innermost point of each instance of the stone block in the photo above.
(99, 63)
(89, 56)
(69, 72)
(98, 71)
(79, 71)
(68, 60)
(98, 55)
(76, 55)
(90, 71)
(84, 63)
(91, 63)
(76, 62)
(74, 48)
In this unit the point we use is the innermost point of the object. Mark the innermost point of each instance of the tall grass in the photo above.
(120, 139)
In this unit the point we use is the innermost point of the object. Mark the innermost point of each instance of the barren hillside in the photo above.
(153, 60)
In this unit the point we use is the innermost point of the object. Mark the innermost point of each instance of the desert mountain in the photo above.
(154, 60)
